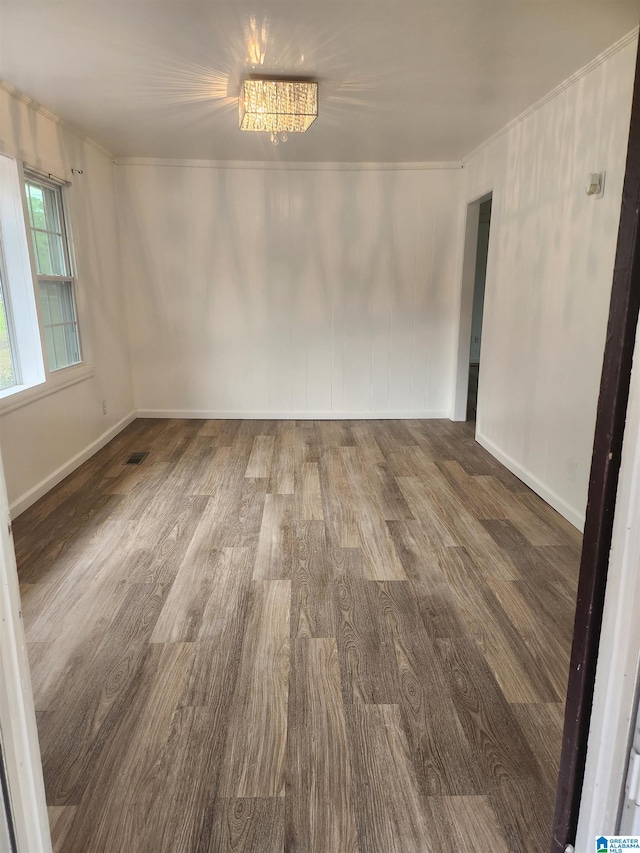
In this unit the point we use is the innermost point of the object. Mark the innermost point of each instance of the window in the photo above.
(54, 272)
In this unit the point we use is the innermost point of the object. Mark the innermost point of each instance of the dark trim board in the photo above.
(603, 483)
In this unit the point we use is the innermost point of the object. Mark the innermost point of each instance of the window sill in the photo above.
(21, 395)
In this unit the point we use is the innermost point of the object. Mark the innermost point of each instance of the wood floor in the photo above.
(311, 636)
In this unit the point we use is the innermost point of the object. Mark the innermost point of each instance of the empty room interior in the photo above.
(303, 314)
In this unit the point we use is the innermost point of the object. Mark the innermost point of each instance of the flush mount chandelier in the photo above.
(278, 107)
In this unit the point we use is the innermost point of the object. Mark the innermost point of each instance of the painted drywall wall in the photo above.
(259, 292)
(549, 273)
(43, 440)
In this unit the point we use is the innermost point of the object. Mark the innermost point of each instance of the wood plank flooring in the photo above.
(301, 636)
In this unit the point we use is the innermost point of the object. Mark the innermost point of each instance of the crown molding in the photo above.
(286, 166)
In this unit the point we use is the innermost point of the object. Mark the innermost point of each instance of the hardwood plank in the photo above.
(221, 477)
(339, 508)
(60, 818)
(545, 582)
(393, 435)
(254, 825)
(222, 431)
(282, 481)
(390, 500)
(481, 494)
(417, 550)
(91, 698)
(312, 607)
(259, 464)
(221, 632)
(334, 434)
(255, 752)
(241, 526)
(435, 527)
(61, 530)
(310, 495)
(446, 511)
(390, 811)
(542, 726)
(181, 617)
(466, 825)
(550, 652)
(524, 809)
(75, 645)
(162, 535)
(189, 764)
(320, 815)
(365, 439)
(88, 564)
(275, 543)
(443, 760)
(347, 561)
(380, 557)
(123, 785)
(392, 503)
(489, 724)
(366, 656)
(520, 676)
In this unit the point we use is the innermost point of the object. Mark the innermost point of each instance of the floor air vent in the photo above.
(137, 457)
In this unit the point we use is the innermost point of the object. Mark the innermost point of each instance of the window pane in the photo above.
(71, 334)
(60, 343)
(44, 303)
(59, 322)
(51, 211)
(35, 197)
(54, 302)
(56, 254)
(65, 298)
(43, 261)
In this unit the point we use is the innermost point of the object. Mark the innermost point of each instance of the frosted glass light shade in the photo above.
(278, 106)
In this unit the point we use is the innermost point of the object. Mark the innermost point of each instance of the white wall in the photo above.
(550, 266)
(43, 440)
(290, 292)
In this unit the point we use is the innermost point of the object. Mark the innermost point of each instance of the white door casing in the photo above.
(17, 714)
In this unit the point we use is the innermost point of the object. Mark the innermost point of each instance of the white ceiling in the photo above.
(399, 81)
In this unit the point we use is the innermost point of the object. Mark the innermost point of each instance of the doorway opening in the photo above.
(482, 251)
(474, 273)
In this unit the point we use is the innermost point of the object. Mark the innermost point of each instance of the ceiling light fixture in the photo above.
(278, 107)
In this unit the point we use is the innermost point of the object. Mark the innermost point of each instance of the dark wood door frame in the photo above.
(603, 483)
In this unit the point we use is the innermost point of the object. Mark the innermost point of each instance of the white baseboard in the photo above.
(576, 518)
(41, 488)
(290, 416)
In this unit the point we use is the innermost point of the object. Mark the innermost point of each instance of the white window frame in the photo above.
(58, 186)
(36, 381)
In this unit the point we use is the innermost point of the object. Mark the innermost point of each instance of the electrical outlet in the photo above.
(104, 407)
